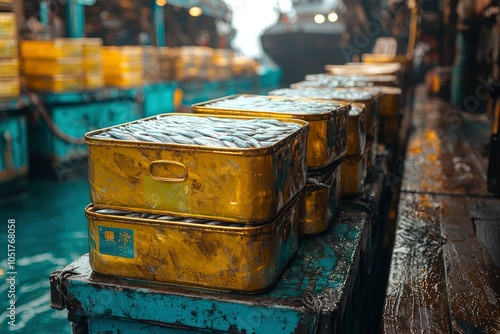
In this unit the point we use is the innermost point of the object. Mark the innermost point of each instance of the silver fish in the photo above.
(121, 135)
(253, 142)
(204, 141)
(182, 140)
(230, 144)
(264, 137)
(207, 133)
(112, 212)
(134, 215)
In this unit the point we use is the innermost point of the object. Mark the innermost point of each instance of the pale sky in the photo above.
(250, 19)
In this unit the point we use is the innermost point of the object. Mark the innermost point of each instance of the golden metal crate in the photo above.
(121, 54)
(327, 138)
(353, 175)
(209, 254)
(320, 200)
(55, 66)
(9, 68)
(55, 83)
(389, 130)
(390, 100)
(232, 184)
(93, 64)
(91, 46)
(8, 24)
(57, 48)
(8, 48)
(9, 87)
(356, 133)
(94, 80)
(365, 96)
(123, 80)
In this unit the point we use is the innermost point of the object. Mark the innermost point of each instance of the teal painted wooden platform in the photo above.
(323, 290)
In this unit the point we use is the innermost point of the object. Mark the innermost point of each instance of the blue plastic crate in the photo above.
(13, 148)
(74, 121)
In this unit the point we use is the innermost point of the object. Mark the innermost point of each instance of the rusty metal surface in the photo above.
(354, 171)
(320, 201)
(208, 182)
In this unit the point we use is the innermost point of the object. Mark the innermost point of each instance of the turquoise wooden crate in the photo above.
(159, 98)
(74, 121)
(13, 148)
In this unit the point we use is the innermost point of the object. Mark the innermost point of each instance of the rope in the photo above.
(40, 108)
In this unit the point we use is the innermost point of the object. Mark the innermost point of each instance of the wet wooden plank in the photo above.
(473, 283)
(440, 159)
(415, 299)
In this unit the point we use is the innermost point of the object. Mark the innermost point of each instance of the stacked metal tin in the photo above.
(354, 167)
(326, 145)
(93, 63)
(9, 64)
(202, 200)
(123, 66)
(53, 65)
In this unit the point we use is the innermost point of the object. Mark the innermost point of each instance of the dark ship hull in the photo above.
(299, 53)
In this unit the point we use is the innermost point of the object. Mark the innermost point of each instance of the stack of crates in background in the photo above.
(166, 63)
(151, 64)
(390, 79)
(13, 128)
(9, 64)
(93, 63)
(53, 65)
(354, 169)
(123, 66)
(221, 65)
(176, 205)
(326, 146)
(192, 63)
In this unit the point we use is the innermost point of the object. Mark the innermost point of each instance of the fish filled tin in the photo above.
(327, 137)
(356, 133)
(332, 82)
(365, 68)
(204, 253)
(320, 200)
(200, 166)
(371, 150)
(391, 99)
(357, 95)
(353, 175)
(389, 130)
(360, 78)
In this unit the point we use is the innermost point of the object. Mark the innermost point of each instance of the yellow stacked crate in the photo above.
(166, 59)
(9, 64)
(93, 63)
(123, 66)
(151, 62)
(53, 65)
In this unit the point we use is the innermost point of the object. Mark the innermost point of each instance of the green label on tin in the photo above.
(116, 241)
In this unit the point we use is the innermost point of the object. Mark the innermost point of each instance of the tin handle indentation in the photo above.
(168, 171)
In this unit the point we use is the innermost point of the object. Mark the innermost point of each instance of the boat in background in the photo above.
(306, 39)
